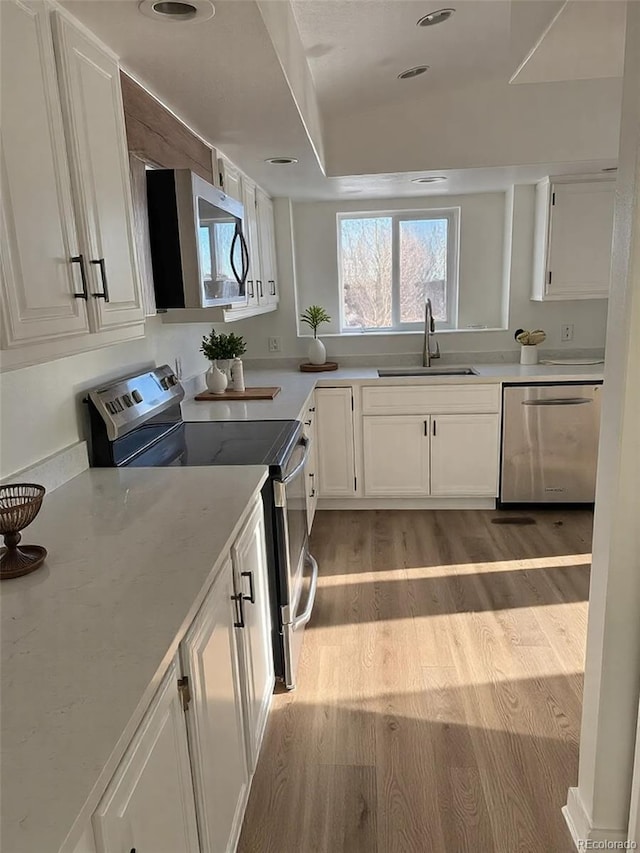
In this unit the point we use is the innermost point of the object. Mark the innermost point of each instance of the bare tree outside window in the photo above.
(372, 248)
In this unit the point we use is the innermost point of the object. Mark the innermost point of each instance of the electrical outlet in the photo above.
(566, 332)
(275, 344)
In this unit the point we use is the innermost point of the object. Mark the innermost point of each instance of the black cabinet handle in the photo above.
(103, 274)
(434, 426)
(252, 292)
(239, 610)
(252, 596)
(272, 287)
(312, 409)
(313, 485)
(79, 259)
(259, 283)
(426, 432)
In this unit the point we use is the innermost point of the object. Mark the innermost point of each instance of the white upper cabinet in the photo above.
(250, 222)
(149, 804)
(251, 581)
(210, 660)
(39, 238)
(229, 178)
(267, 238)
(573, 233)
(334, 433)
(96, 143)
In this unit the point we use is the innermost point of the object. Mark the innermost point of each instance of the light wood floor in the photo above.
(439, 699)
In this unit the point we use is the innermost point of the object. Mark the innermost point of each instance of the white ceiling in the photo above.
(356, 50)
(224, 78)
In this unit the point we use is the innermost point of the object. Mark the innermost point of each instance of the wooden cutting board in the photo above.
(267, 393)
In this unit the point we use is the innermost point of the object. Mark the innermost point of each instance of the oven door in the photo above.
(298, 570)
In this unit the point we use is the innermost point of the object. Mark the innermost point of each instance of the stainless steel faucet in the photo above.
(429, 329)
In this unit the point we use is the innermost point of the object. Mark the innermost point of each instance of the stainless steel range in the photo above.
(137, 422)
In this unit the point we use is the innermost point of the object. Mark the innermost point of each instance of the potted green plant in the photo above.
(314, 316)
(220, 350)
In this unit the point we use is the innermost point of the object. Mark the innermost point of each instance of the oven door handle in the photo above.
(307, 449)
(304, 617)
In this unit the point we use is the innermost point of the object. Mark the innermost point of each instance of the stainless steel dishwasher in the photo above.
(550, 443)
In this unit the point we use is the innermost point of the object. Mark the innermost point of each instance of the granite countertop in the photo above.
(87, 638)
(296, 387)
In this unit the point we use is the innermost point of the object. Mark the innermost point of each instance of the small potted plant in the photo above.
(314, 316)
(529, 341)
(220, 350)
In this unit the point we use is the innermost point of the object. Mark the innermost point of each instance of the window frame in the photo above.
(452, 215)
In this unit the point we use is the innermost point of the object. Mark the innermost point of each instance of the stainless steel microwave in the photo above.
(198, 250)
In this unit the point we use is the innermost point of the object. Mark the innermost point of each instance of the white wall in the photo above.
(40, 406)
(563, 122)
(496, 242)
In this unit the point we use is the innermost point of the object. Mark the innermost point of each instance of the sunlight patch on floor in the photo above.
(444, 571)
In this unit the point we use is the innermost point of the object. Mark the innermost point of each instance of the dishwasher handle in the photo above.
(559, 401)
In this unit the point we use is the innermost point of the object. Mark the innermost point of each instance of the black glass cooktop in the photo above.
(223, 443)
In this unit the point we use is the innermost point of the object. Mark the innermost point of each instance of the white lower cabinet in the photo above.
(334, 432)
(311, 465)
(396, 455)
(251, 581)
(149, 804)
(183, 783)
(210, 660)
(464, 455)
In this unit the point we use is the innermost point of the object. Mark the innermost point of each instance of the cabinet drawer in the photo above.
(422, 399)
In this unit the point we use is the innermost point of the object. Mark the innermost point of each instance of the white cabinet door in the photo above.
(396, 456)
(209, 656)
(252, 582)
(311, 467)
(334, 431)
(38, 228)
(267, 237)
(255, 284)
(149, 804)
(229, 178)
(580, 235)
(464, 455)
(96, 143)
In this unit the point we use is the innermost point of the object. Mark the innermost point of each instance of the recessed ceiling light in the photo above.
(281, 161)
(610, 169)
(434, 18)
(435, 179)
(413, 72)
(177, 11)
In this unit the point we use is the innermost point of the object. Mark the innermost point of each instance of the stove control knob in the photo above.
(137, 396)
(172, 379)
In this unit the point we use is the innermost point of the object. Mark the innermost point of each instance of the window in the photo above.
(391, 262)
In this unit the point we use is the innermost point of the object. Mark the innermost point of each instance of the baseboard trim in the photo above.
(406, 503)
(580, 825)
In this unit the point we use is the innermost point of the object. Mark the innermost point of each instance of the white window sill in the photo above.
(396, 333)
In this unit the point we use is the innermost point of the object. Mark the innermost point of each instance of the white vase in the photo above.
(317, 351)
(529, 354)
(224, 364)
(216, 380)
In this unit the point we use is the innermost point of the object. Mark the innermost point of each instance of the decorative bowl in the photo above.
(19, 505)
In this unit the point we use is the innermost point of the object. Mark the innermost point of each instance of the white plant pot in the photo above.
(216, 380)
(529, 354)
(317, 351)
(224, 364)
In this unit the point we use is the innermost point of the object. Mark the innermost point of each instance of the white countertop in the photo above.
(87, 638)
(296, 387)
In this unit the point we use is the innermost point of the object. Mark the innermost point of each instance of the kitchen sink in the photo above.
(427, 371)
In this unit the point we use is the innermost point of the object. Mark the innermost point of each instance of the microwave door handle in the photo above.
(239, 279)
(245, 257)
(297, 470)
